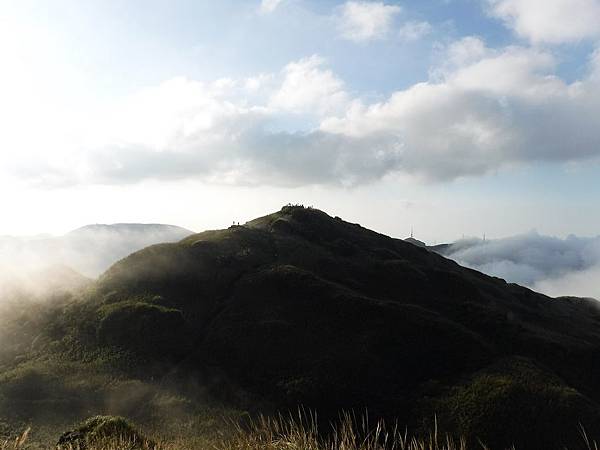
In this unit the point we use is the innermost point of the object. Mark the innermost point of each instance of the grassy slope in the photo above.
(298, 307)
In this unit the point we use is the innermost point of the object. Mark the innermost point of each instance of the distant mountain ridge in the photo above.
(128, 227)
(90, 249)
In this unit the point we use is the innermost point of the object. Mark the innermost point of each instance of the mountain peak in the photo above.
(299, 307)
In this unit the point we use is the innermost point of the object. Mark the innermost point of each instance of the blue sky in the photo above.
(150, 41)
(450, 116)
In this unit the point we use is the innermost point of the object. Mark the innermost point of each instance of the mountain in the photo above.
(89, 250)
(416, 242)
(300, 308)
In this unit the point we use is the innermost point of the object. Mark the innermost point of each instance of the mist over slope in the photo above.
(298, 308)
(557, 267)
(89, 250)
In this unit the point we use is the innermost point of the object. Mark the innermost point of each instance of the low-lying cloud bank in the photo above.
(547, 264)
(89, 250)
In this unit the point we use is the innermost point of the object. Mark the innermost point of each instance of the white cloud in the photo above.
(547, 264)
(551, 21)
(361, 21)
(268, 6)
(466, 51)
(221, 132)
(413, 31)
(580, 283)
(309, 88)
(486, 109)
(258, 82)
(482, 109)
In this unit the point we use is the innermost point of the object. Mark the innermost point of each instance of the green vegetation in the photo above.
(511, 392)
(144, 327)
(299, 308)
(97, 430)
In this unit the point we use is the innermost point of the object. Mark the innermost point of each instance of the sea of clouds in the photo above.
(550, 265)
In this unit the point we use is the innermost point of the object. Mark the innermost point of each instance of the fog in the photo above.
(41, 274)
(41, 277)
(550, 265)
(89, 250)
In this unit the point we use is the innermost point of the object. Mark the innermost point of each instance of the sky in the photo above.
(451, 117)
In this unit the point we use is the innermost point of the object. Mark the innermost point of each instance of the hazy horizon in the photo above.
(547, 264)
(452, 117)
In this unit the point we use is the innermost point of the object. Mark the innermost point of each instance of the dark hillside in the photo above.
(298, 307)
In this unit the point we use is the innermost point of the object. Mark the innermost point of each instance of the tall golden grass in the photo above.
(302, 433)
(292, 433)
(16, 443)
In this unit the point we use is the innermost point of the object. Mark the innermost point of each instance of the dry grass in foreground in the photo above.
(278, 434)
(287, 433)
(290, 433)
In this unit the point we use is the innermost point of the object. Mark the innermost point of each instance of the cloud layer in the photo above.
(488, 108)
(414, 30)
(268, 6)
(550, 265)
(550, 21)
(480, 109)
(361, 21)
